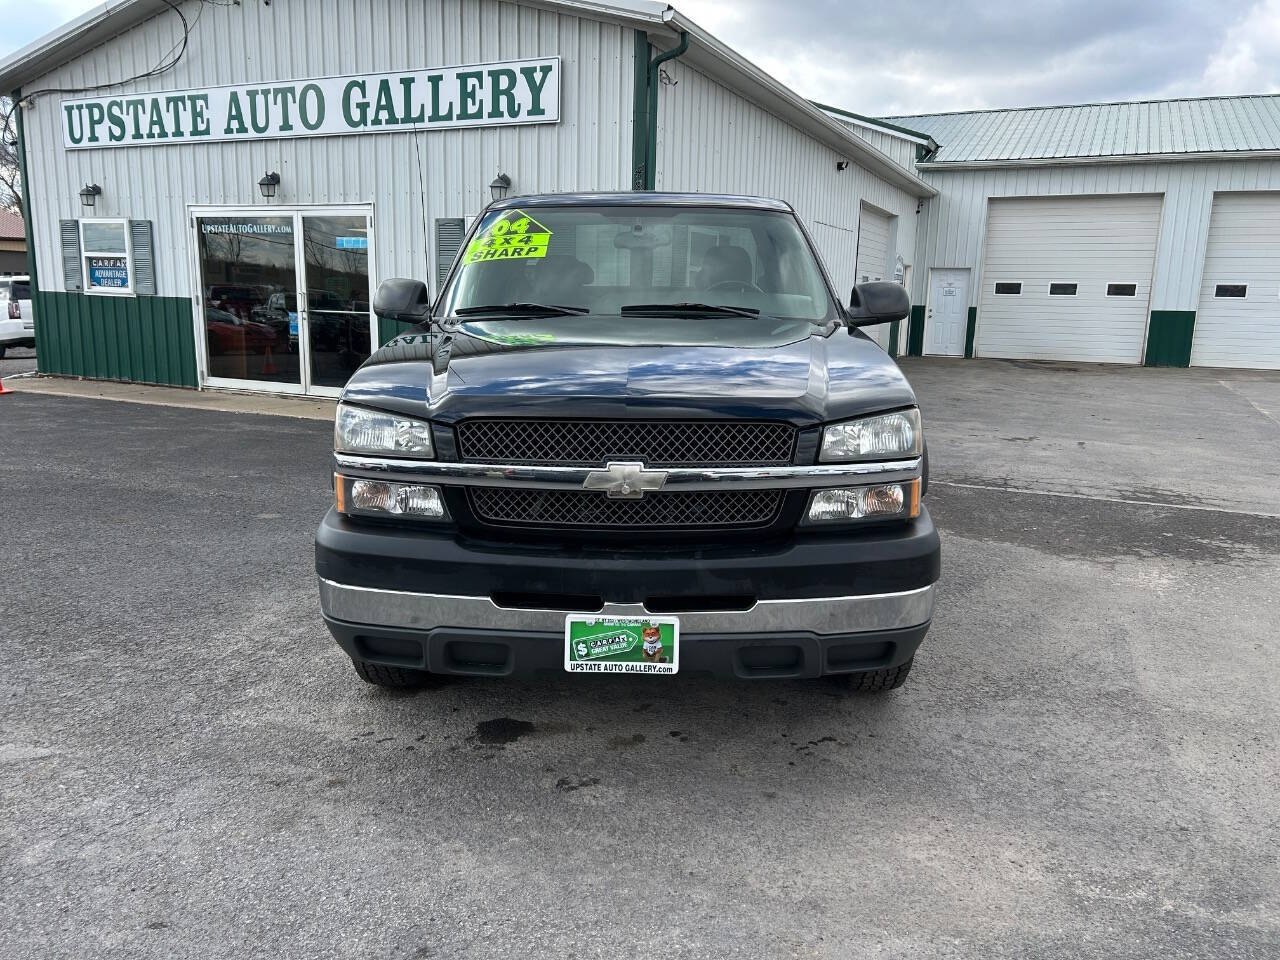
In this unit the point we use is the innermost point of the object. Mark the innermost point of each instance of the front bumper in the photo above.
(802, 608)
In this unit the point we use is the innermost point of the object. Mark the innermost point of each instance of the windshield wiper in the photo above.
(712, 309)
(532, 309)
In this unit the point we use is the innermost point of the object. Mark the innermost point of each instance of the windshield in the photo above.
(635, 262)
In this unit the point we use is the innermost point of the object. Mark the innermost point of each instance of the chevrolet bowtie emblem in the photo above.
(625, 481)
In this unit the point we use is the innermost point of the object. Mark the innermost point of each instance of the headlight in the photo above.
(881, 501)
(356, 430)
(889, 436)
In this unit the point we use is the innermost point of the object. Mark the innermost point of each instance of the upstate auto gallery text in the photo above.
(521, 91)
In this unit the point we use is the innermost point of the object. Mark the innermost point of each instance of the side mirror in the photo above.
(880, 301)
(401, 299)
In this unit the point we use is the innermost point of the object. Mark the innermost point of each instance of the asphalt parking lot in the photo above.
(17, 360)
(1083, 763)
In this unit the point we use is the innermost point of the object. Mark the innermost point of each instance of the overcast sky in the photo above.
(899, 56)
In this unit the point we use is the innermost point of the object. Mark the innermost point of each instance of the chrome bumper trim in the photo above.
(677, 478)
(821, 615)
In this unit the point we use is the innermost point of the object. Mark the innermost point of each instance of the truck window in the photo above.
(607, 258)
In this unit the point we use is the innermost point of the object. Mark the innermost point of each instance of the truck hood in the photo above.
(816, 378)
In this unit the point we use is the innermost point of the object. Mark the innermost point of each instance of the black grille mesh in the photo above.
(656, 443)
(569, 508)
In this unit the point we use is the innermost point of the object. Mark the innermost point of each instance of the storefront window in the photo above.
(108, 263)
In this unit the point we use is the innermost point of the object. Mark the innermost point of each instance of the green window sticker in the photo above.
(513, 236)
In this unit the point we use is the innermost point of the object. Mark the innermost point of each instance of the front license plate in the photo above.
(621, 644)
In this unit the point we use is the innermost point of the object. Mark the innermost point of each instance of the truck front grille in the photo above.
(656, 443)
(570, 508)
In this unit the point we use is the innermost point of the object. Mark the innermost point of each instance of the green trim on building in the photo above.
(651, 156)
(893, 338)
(915, 334)
(640, 111)
(871, 120)
(139, 339)
(644, 109)
(26, 201)
(1169, 338)
(970, 330)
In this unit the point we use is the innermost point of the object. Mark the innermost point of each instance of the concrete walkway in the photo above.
(307, 408)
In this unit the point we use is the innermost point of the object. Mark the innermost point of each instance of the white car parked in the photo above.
(17, 319)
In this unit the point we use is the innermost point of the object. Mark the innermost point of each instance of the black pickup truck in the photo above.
(635, 433)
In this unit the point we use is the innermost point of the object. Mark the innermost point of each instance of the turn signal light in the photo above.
(882, 501)
(387, 499)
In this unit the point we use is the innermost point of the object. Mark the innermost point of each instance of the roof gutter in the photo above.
(914, 136)
(941, 166)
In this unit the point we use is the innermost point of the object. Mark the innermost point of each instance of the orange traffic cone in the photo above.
(3, 389)
(268, 364)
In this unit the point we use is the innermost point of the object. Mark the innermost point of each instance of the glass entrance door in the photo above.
(335, 262)
(284, 300)
(249, 283)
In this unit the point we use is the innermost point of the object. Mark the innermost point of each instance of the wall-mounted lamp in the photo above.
(499, 187)
(842, 165)
(268, 184)
(89, 195)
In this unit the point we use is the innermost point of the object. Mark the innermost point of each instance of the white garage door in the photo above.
(1068, 278)
(873, 257)
(1238, 320)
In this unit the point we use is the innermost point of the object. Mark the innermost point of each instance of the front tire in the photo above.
(391, 678)
(877, 681)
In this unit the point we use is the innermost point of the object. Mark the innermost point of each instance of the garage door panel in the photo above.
(1088, 241)
(1243, 248)
(874, 231)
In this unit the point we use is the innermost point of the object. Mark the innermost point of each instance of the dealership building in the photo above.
(204, 219)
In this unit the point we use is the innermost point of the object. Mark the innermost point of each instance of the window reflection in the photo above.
(249, 276)
(336, 256)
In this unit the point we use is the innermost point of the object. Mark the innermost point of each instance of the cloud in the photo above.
(915, 57)
(912, 56)
(25, 21)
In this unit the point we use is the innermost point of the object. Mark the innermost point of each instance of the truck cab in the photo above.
(633, 433)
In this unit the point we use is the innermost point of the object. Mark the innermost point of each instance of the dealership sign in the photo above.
(486, 95)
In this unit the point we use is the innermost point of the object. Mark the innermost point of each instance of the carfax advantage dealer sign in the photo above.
(485, 95)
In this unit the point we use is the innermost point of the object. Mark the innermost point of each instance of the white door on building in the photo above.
(947, 314)
(875, 230)
(1238, 318)
(1068, 278)
(284, 297)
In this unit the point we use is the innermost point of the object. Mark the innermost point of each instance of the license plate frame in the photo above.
(633, 655)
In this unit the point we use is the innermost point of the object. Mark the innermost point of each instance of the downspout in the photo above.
(28, 217)
(651, 144)
(640, 113)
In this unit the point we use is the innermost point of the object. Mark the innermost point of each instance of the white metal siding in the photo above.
(1088, 241)
(1243, 248)
(902, 151)
(590, 148)
(874, 232)
(711, 139)
(953, 226)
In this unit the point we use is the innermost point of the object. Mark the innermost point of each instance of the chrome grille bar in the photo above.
(678, 478)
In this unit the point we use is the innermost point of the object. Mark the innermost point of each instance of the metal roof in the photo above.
(1142, 128)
